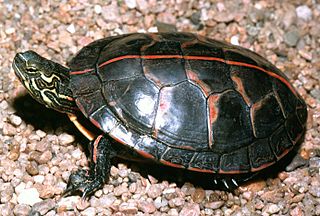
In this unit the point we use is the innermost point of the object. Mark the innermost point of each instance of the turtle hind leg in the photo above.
(88, 181)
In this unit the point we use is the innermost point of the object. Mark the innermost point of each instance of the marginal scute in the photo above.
(235, 162)
(105, 119)
(280, 142)
(294, 128)
(150, 145)
(260, 154)
(178, 156)
(206, 161)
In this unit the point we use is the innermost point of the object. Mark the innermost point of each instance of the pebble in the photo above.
(65, 139)
(89, 212)
(304, 12)
(214, 205)
(21, 210)
(146, 207)
(131, 3)
(198, 195)
(15, 120)
(271, 209)
(154, 191)
(190, 209)
(160, 202)
(292, 37)
(128, 208)
(107, 200)
(29, 196)
(44, 206)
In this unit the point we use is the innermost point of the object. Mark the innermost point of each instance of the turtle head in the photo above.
(46, 81)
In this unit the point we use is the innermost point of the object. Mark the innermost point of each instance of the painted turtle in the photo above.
(180, 99)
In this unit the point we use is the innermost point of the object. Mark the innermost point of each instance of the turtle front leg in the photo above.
(88, 181)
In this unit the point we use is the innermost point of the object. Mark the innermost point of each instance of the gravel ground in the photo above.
(39, 148)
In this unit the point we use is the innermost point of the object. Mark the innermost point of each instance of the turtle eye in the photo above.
(31, 69)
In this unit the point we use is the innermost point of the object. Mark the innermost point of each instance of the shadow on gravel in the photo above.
(42, 118)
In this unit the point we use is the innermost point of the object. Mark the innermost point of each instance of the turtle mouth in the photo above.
(19, 66)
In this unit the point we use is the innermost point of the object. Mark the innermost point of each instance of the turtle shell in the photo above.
(188, 101)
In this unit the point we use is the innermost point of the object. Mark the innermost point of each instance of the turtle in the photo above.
(177, 99)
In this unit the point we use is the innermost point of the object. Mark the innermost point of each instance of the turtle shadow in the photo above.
(43, 118)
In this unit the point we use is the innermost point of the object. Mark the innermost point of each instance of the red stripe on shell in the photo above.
(171, 164)
(205, 58)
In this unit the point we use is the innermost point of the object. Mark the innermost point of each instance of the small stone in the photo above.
(44, 157)
(198, 195)
(188, 189)
(128, 208)
(6, 193)
(21, 210)
(32, 168)
(154, 191)
(160, 202)
(173, 212)
(29, 196)
(8, 129)
(131, 3)
(292, 37)
(111, 12)
(65, 139)
(146, 207)
(119, 190)
(15, 120)
(143, 5)
(271, 209)
(71, 29)
(315, 93)
(297, 211)
(44, 206)
(190, 209)
(304, 12)
(315, 191)
(214, 205)
(91, 211)
(107, 200)
(41, 133)
(97, 9)
(235, 40)
(273, 196)
(68, 203)
(176, 202)
(195, 17)
(248, 195)
(165, 27)
(254, 186)
(123, 173)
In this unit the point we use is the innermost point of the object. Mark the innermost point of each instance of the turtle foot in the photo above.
(82, 181)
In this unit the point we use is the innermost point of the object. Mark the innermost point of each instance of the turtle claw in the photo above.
(82, 181)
